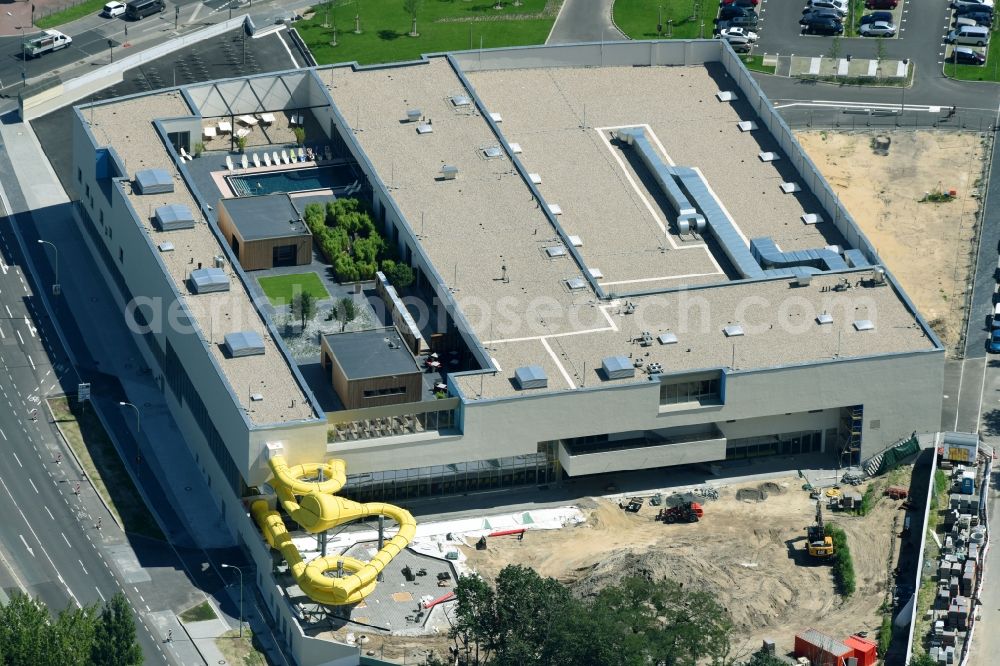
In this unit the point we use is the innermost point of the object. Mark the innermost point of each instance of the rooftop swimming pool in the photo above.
(293, 180)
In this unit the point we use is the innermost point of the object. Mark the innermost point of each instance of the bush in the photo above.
(399, 275)
(843, 564)
(884, 635)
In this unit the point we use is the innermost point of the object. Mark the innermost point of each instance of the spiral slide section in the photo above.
(306, 493)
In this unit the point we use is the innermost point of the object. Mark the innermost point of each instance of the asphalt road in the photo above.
(49, 536)
(584, 21)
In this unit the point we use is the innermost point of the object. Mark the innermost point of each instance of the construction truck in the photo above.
(818, 544)
(685, 512)
(632, 505)
(49, 40)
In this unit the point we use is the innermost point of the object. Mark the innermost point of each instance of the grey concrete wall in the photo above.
(759, 403)
(595, 54)
(642, 458)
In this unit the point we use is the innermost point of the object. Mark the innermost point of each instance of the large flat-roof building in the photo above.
(623, 260)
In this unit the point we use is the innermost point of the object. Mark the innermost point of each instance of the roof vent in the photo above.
(667, 338)
(555, 209)
(654, 369)
(515, 148)
(535, 178)
(256, 397)
(575, 241)
(173, 217)
(864, 325)
(413, 115)
(768, 156)
(206, 280)
(726, 96)
(449, 172)
(244, 343)
(595, 273)
(496, 117)
(424, 128)
(166, 246)
(530, 377)
(555, 251)
(153, 181)
(789, 188)
(733, 330)
(746, 125)
(576, 283)
(617, 367)
(460, 100)
(824, 318)
(492, 152)
(803, 280)
(811, 218)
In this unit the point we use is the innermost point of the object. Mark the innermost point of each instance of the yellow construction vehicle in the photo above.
(818, 544)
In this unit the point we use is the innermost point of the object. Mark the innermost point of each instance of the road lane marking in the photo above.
(19, 336)
(31, 329)
(9, 313)
(50, 513)
(24, 541)
(15, 455)
(99, 594)
(194, 14)
(31, 362)
(83, 567)
(33, 486)
(66, 540)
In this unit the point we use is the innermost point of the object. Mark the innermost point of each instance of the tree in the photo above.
(73, 635)
(23, 629)
(411, 7)
(114, 636)
(304, 306)
(398, 274)
(346, 312)
(762, 658)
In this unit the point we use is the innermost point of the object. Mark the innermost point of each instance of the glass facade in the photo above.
(388, 426)
(784, 444)
(459, 478)
(701, 391)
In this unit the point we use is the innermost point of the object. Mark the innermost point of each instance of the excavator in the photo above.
(818, 544)
(306, 493)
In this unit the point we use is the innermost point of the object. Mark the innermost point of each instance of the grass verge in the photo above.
(70, 13)
(441, 26)
(843, 564)
(199, 613)
(86, 436)
(987, 72)
(856, 11)
(680, 19)
(238, 650)
(755, 63)
(281, 288)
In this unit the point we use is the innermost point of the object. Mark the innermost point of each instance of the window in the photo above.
(102, 218)
(79, 175)
(88, 191)
(382, 392)
(121, 256)
(702, 391)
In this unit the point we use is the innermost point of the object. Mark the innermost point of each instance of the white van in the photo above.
(969, 35)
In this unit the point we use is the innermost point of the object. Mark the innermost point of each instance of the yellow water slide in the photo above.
(312, 503)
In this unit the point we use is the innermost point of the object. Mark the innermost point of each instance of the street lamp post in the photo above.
(24, 56)
(233, 566)
(111, 50)
(55, 285)
(138, 428)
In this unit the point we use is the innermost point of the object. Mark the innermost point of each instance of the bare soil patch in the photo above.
(930, 247)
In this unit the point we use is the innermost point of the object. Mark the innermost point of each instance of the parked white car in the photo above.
(113, 9)
(738, 35)
(978, 3)
(877, 29)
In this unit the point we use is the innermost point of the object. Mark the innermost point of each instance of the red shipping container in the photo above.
(820, 649)
(865, 651)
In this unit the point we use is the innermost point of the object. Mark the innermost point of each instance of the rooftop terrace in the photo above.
(128, 126)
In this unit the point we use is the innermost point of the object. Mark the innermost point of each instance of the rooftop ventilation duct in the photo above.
(244, 343)
(530, 377)
(576, 283)
(413, 115)
(864, 325)
(460, 100)
(617, 367)
(555, 251)
(166, 246)
(667, 338)
(492, 152)
(449, 172)
(173, 217)
(733, 330)
(207, 280)
(824, 318)
(153, 181)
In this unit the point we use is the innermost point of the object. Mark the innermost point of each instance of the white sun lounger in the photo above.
(302, 154)
(244, 161)
(249, 121)
(275, 158)
(267, 118)
(327, 152)
(267, 160)
(184, 155)
(209, 132)
(256, 161)
(229, 163)
(225, 127)
(284, 157)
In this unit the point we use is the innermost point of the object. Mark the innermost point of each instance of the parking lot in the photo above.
(920, 35)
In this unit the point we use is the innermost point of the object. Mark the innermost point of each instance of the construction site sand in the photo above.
(929, 247)
(748, 555)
